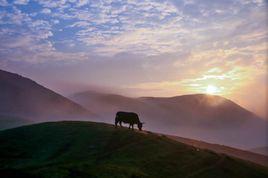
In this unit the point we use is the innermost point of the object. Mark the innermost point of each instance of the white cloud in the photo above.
(55, 21)
(60, 4)
(21, 2)
(80, 24)
(16, 17)
(140, 31)
(46, 11)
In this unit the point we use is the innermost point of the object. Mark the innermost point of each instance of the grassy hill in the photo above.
(87, 149)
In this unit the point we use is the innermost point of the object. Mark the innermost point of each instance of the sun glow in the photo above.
(211, 89)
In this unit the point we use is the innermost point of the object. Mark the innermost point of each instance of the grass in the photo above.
(87, 149)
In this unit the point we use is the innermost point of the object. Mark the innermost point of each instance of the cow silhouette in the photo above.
(130, 118)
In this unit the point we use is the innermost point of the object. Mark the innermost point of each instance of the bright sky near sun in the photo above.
(140, 47)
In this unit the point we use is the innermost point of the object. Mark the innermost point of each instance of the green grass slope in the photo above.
(87, 149)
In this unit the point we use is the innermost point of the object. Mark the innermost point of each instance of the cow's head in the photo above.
(140, 125)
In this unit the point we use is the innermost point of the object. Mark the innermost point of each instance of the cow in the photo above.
(128, 117)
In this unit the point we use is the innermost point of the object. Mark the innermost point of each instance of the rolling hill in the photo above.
(87, 149)
(27, 101)
(204, 117)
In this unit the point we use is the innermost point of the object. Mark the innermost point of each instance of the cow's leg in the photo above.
(132, 126)
(120, 123)
(115, 123)
(129, 126)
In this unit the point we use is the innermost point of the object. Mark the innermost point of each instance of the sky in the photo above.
(140, 47)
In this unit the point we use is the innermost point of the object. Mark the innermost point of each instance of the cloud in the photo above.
(215, 30)
(80, 24)
(21, 2)
(81, 3)
(3, 3)
(128, 26)
(46, 11)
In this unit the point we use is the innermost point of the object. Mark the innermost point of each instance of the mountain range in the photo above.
(204, 117)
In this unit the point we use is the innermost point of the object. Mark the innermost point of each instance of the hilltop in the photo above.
(88, 149)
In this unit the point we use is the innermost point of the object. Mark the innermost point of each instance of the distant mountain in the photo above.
(88, 149)
(204, 117)
(27, 101)
(106, 104)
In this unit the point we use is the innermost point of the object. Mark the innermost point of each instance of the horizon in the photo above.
(140, 48)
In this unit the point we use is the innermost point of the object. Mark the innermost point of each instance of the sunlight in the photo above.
(211, 89)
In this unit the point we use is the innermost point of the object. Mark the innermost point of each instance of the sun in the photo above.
(211, 89)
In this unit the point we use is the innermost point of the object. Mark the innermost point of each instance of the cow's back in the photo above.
(127, 117)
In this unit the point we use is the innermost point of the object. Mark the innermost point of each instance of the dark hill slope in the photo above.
(86, 149)
(21, 97)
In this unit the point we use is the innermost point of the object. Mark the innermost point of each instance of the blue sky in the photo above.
(142, 47)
